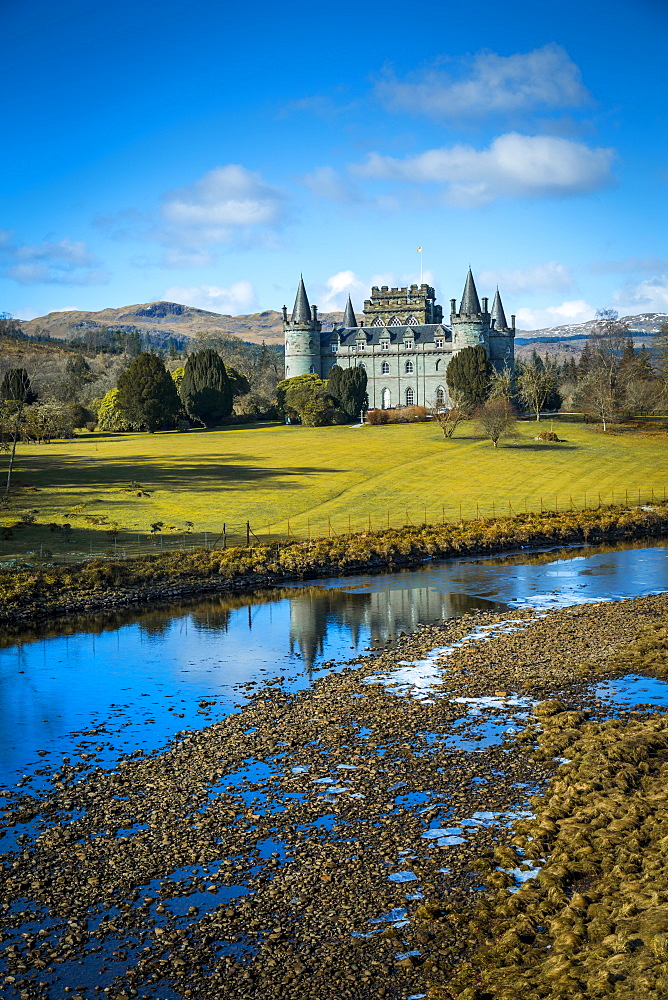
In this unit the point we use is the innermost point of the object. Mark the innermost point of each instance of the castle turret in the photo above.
(501, 337)
(471, 325)
(302, 337)
(498, 316)
(349, 320)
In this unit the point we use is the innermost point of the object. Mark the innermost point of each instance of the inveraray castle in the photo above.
(402, 341)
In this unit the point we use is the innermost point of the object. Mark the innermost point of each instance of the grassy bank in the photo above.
(594, 923)
(111, 583)
(321, 480)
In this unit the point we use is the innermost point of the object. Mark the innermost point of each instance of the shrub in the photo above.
(375, 417)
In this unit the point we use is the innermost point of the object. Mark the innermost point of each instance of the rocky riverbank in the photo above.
(337, 842)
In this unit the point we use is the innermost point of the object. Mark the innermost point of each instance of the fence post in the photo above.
(247, 534)
(599, 498)
(329, 522)
(308, 528)
(288, 527)
(460, 513)
(369, 522)
(224, 536)
(443, 513)
(627, 498)
(388, 519)
(477, 512)
(585, 502)
(493, 509)
(541, 505)
(349, 531)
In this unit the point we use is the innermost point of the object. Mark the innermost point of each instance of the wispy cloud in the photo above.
(52, 262)
(630, 265)
(550, 277)
(645, 296)
(545, 78)
(238, 298)
(225, 204)
(568, 313)
(513, 166)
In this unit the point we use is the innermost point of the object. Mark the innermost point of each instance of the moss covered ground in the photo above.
(318, 479)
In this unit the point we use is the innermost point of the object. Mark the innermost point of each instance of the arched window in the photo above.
(410, 397)
(386, 399)
(438, 363)
(287, 370)
(411, 321)
(362, 365)
(440, 396)
(395, 322)
(385, 368)
(410, 368)
(310, 345)
(311, 370)
(378, 321)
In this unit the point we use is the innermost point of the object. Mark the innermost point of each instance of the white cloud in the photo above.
(337, 289)
(238, 298)
(646, 296)
(54, 262)
(568, 313)
(513, 166)
(550, 277)
(225, 204)
(544, 78)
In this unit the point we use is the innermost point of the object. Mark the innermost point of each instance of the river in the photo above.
(103, 687)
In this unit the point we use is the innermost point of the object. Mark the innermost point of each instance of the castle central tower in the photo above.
(302, 336)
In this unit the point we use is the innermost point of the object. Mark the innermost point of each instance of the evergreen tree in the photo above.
(205, 389)
(238, 383)
(468, 376)
(17, 388)
(334, 381)
(147, 397)
(351, 387)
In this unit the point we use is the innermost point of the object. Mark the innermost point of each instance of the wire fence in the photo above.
(247, 534)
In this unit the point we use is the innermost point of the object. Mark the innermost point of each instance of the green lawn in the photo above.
(315, 477)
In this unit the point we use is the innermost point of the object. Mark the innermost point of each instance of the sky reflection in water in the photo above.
(138, 678)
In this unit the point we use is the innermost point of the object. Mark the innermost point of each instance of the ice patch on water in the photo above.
(402, 877)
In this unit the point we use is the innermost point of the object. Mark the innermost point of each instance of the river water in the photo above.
(103, 687)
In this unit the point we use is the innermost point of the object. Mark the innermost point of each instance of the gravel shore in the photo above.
(302, 847)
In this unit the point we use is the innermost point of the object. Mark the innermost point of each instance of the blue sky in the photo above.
(209, 153)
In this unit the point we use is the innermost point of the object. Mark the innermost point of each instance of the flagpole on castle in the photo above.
(419, 250)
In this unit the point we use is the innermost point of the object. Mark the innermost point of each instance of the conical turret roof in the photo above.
(349, 319)
(470, 302)
(301, 312)
(498, 314)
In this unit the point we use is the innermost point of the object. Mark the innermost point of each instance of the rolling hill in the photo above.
(165, 319)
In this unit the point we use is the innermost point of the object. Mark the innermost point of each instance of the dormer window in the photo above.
(408, 345)
(438, 342)
(384, 345)
(335, 348)
(361, 345)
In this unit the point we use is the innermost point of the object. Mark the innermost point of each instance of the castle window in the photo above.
(395, 322)
(384, 345)
(408, 345)
(385, 369)
(412, 321)
(335, 348)
(361, 346)
(440, 396)
(378, 321)
(386, 399)
(362, 365)
(311, 370)
(410, 397)
(438, 364)
(438, 342)
(409, 368)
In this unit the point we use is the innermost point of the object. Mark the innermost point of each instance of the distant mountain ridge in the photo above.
(165, 319)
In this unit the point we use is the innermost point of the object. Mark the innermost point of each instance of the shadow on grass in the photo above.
(96, 472)
(539, 446)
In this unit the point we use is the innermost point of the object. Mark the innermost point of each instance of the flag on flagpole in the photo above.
(419, 249)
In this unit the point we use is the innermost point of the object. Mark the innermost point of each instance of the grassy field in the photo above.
(343, 477)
